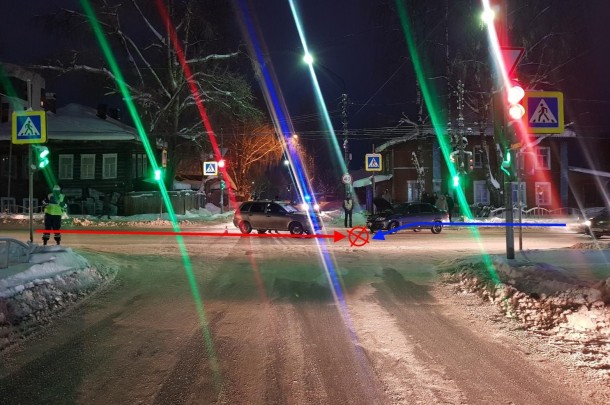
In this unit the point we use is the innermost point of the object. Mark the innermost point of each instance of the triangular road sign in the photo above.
(511, 56)
(543, 114)
(373, 163)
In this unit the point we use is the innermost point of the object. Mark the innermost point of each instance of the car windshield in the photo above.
(289, 208)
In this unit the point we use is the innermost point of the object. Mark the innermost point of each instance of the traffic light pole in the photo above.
(508, 204)
(31, 192)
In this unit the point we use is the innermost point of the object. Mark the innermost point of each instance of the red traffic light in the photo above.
(221, 163)
(514, 95)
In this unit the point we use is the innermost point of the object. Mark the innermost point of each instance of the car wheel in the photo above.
(261, 230)
(245, 227)
(437, 228)
(296, 228)
(392, 226)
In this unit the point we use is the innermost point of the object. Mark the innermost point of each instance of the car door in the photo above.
(276, 217)
(426, 213)
(410, 214)
(256, 215)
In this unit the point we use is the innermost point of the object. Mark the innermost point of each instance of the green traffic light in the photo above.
(158, 174)
(456, 180)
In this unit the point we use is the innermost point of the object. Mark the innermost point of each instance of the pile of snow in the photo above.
(55, 278)
(570, 312)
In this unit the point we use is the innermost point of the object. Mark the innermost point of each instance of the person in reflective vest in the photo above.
(53, 210)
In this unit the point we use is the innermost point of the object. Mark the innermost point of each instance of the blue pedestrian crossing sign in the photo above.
(544, 112)
(372, 162)
(210, 168)
(29, 127)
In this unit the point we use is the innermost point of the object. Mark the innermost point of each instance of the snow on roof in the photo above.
(80, 123)
(367, 181)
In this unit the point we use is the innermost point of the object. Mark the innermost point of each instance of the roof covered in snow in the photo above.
(80, 123)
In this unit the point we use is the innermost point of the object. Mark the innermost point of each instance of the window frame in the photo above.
(549, 189)
(108, 156)
(87, 155)
(540, 158)
(61, 166)
(478, 185)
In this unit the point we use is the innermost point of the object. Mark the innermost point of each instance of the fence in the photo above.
(532, 213)
(149, 202)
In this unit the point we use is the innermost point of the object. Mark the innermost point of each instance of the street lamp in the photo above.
(343, 104)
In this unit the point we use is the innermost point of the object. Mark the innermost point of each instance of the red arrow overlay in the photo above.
(336, 236)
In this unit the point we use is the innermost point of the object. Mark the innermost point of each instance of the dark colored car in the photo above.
(389, 216)
(597, 224)
(274, 216)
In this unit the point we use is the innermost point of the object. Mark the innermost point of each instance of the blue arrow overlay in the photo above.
(380, 235)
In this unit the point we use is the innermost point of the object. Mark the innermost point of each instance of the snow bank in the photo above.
(56, 278)
(544, 299)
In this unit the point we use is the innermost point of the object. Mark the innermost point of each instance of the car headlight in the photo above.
(587, 223)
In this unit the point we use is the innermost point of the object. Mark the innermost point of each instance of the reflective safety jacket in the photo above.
(55, 204)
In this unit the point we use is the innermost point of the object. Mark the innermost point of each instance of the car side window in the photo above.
(414, 209)
(257, 207)
(426, 208)
(274, 208)
(245, 207)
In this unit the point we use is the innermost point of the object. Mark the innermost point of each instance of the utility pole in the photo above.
(222, 171)
(343, 106)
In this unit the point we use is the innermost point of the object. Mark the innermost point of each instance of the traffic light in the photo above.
(514, 95)
(158, 174)
(42, 159)
(507, 163)
(221, 163)
(223, 185)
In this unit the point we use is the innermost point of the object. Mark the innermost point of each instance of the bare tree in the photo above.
(154, 76)
(250, 151)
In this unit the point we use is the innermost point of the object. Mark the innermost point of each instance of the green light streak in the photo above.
(318, 92)
(429, 98)
(114, 67)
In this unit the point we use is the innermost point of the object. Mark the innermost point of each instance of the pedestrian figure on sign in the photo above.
(543, 110)
(348, 206)
(54, 206)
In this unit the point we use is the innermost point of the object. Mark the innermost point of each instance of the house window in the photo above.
(413, 191)
(515, 188)
(87, 166)
(543, 158)
(66, 167)
(481, 193)
(543, 193)
(109, 163)
(478, 156)
(139, 165)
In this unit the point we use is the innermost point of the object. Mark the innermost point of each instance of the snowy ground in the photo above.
(572, 311)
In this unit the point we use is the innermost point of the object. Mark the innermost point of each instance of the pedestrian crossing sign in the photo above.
(210, 168)
(29, 127)
(372, 162)
(544, 112)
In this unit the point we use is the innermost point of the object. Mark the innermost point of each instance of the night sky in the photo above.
(358, 49)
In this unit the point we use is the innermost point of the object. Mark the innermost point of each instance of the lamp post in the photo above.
(343, 105)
